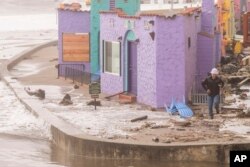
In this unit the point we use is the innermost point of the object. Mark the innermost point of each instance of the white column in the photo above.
(152, 1)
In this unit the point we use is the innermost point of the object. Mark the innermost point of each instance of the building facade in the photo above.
(73, 42)
(150, 56)
(156, 56)
(130, 7)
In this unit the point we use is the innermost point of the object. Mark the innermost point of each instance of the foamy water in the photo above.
(16, 120)
(19, 33)
(28, 22)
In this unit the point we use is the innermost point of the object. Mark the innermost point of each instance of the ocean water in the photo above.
(28, 22)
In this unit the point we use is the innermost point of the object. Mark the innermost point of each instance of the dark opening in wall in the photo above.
(189, 42)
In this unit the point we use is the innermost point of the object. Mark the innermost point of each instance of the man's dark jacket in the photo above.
(213, 85)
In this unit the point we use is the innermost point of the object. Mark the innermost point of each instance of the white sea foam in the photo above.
(15, 119)
(28, 22)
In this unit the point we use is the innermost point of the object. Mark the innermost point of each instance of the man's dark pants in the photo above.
(213, 101)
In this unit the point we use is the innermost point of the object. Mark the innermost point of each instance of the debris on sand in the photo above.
(229, 68)
(243, 96)
(139, 118)
(94, 103)
(76, 87)
(155, 139)
(244, 114)
(185, 123)
(66, 100)
(159, 126)
(40, 93)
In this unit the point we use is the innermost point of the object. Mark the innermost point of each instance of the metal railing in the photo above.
(75, 72)
(202, 98)
(199, 95)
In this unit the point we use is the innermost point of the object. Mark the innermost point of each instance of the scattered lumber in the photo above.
(139, 118)
(238, 77)
(108, 97)
(244, 81)
(231, 108)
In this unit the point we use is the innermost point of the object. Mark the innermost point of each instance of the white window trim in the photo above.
(104, 59)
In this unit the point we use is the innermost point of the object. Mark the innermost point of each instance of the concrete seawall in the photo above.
(73, 141)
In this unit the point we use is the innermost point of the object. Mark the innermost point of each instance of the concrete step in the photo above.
(127, 98)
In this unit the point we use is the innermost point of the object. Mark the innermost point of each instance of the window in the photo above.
(111, 57)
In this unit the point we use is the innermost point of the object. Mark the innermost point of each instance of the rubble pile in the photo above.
(235, 72)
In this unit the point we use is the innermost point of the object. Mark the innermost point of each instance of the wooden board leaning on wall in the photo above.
(76, 47)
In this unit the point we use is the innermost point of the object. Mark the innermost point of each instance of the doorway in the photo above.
(132, 67)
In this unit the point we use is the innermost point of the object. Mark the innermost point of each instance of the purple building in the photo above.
(73, 44)
(209, 42)
(152, 55)
(156, 56)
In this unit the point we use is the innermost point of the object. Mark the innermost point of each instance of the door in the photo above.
(132, 67)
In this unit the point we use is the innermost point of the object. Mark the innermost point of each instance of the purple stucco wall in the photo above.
(166, 66)
(192, 27)
(110, 83)
(72, 22)
(208, 16)
(146, 63)
(170, 60)
(207, 52)
(176, 61)
(146, 67)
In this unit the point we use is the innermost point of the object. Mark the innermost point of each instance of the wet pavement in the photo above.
(25, 141)
(38, 72)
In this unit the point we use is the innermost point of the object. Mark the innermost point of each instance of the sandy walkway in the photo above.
(112, 120)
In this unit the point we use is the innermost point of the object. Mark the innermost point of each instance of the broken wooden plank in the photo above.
(238, 77)
(139, 118)
(231, 108)
(244, 81)
(108, 97)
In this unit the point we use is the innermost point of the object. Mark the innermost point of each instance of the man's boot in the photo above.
(211, 116)
(217, 110)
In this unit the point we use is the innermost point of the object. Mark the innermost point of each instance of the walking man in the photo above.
(212, 85)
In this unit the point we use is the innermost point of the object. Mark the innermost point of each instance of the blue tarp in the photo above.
(181, 108)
